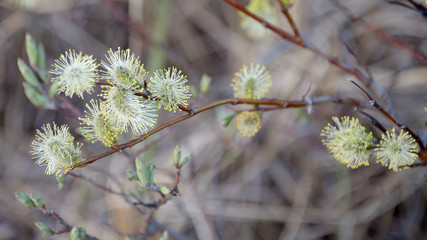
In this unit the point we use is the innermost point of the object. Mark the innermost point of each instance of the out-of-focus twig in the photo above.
(420, 56)
(67, 226)
(122, 16)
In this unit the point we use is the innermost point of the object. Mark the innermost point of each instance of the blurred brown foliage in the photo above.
(280, 184)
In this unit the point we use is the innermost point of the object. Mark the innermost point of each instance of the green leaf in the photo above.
(27, 73)
(24, 199)
(46, 231)
(41, 63)
(31, 48)
(144, 172)
(53, 90)
(41, 57)
(35, 96)
(37, 200)
(185, 159)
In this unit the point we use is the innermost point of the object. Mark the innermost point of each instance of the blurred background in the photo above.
(280, 184)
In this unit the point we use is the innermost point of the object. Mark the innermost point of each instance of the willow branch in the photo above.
(280, 104)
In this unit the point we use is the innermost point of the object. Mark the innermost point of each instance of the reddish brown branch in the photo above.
(176, 182)
(280, 104)
(281, 33)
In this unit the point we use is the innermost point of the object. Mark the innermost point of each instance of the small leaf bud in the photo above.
(24, 199)
(144, 172)
(78, 233)
(165, 190)
(46, 231)
(37, 200)
(185, 160)
(177, 155)
(27, 73)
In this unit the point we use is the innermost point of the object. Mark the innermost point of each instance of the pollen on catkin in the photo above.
(76, 73)
(396, 150)
(128, 111)
(97, 126)
(168, 88)
(124, 69)
(262, 9)
(348, 141)
(54, 147)
(251, 82)
(248, 123)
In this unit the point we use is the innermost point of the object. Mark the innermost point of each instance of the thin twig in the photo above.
(91, 181)
(375, 122)
(176, 182)
(155, 204)
(359, 61)
(67, 226)
(291, 21)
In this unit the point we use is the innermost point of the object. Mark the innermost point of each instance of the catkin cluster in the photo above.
(128, 102)
(349, 143)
